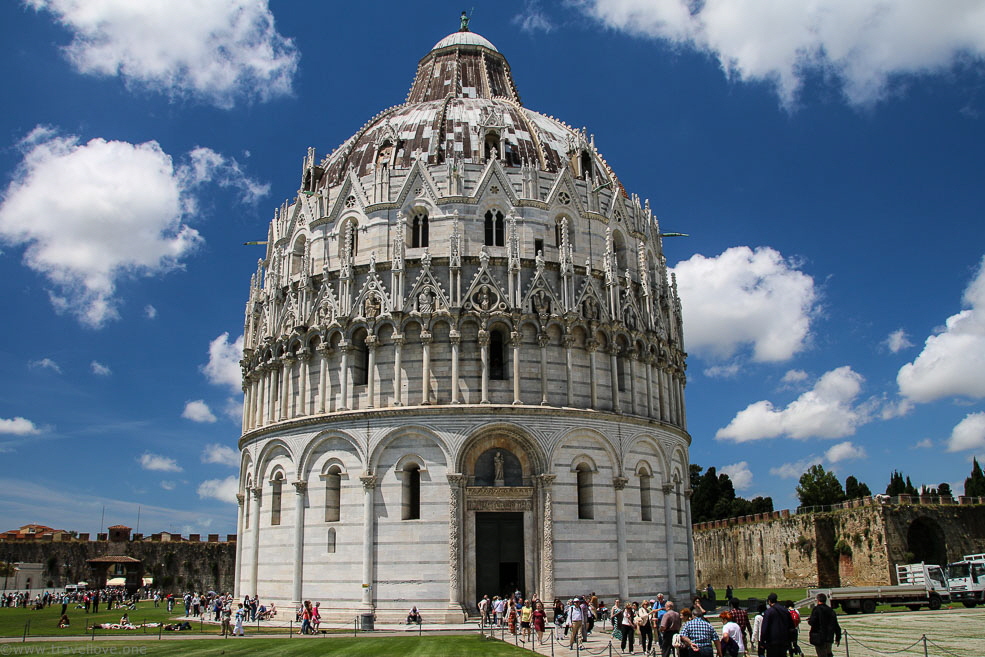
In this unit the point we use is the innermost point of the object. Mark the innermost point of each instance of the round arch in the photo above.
(926, 542)
(502, 436)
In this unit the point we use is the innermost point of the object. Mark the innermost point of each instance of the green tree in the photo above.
(974, 485)
(704, 497)
(854, 489)
(896, 484)
(910, 488)
(819, 487)
(944, 489)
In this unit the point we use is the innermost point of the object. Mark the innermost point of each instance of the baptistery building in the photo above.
(463, 366)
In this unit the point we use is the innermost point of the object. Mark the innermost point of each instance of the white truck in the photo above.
(966, 579)
(919, 585)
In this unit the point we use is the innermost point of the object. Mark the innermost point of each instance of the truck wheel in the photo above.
(935, 602)
(868, 606)
(970, 604)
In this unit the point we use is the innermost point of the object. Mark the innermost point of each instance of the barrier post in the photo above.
(844, 635)
(925, 653)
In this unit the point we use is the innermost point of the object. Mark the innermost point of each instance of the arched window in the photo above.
(492, 150)
(586, 510)
(646, 512)
(411, 493)
(384, 154)
(419, 229)
(276, 489)
(495, 230)
(621, 370)
(297, 256)
(330, 541)
(619, 248)
(360, 361)
(333, 494)
(587, 171)
(680, 502)
(497, 356)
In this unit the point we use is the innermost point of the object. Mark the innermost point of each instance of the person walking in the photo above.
(645, 625)
(700, 637)
(777, 628)
(733, 638)
(539, 619)
(670, 625)
(240, 617)
(825, 629)
(575, 617)
(627, 626)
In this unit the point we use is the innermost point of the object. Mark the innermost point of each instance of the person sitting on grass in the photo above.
(63, 622)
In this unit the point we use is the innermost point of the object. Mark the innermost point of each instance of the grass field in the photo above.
(438, 646)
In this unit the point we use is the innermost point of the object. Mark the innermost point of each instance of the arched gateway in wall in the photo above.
(463, 366)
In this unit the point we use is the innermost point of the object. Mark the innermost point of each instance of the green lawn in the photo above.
(437, 646)
(45, 621)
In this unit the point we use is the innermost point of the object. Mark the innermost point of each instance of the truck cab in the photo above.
(966, 579)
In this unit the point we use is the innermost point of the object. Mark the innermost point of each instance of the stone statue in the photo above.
(425, 301)
(542, 304)
(484, 300)
(371, 308)
(465, 23)
(498, 476)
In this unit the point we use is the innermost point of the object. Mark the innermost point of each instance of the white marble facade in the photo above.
(461, 283)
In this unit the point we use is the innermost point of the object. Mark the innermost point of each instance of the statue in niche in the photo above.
(590, 309)
(542, 304)
(325, 314)
(499, 478)
(371, 307)
(485, 300)
(425, 301)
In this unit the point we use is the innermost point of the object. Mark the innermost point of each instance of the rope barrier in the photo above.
(941, 648)
(880, 652)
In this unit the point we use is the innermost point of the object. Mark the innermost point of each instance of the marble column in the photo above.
(344, 375)
(619, 484)
(456, 339)
(631, 358)
(256, 491)
(484, 356)
(683, 405)
(614, 372)
(516, 340)
(303, 373)
(286, 384)
(455, 601)
(425, 368)
(592, 347)
(543, 340)
(398, 348)
(668, 490)
(569, 369)
(648, 366)
(371, 371)
(271, 392)
(662, 391)
(299, 490)
(546, 485)
(369, 523)
(240, 526)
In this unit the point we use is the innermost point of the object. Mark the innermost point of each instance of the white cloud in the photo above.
(897, 341)
(865, 45)
(846, 451)
(168, 485)
(198, 411)
(222, 454)
(233, 409)
(969, 433)
(926, 443)
(794, 470)
(952, 362)
(46, 364)
(828, 410)
(150, 312)
(218, 51)
(119, 212)
(223, 366)
(100, 369)
(745, 297)
(532, 19)
(739, 473)
(223, 490)
(18, 426)
(726, 371)
(794, 376)
(158, 463)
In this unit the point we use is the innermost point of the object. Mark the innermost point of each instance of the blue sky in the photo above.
(827, 164)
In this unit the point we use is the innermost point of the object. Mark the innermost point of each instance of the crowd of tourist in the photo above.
(660, 628)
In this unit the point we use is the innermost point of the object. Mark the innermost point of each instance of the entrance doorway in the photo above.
(499, 554)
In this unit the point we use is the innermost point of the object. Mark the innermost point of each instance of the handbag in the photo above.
(676, 642)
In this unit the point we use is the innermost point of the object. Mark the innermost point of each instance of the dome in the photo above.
(462, 92)
(464, 39)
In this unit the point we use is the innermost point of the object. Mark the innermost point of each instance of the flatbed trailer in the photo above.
(921, 585)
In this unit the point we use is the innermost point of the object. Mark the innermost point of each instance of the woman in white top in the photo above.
(731, 630)
(757, 624)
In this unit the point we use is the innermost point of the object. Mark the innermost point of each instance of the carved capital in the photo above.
(371, 341)
(240, 499)
(398, 339)
(456, 480)
(543, 340)
(483, 338)
(667, 489)
(256, 491)
(300, 487)
(516, 339)
(454, 337)
(368, 482)
(546, 480)
(688, 492)
(592, 346)
(425, 337)
(287, 361)
(619, 483)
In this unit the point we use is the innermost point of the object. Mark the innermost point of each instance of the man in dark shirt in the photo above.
(741, 618)
(824, 627)
(776, 629)
(670, 624)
